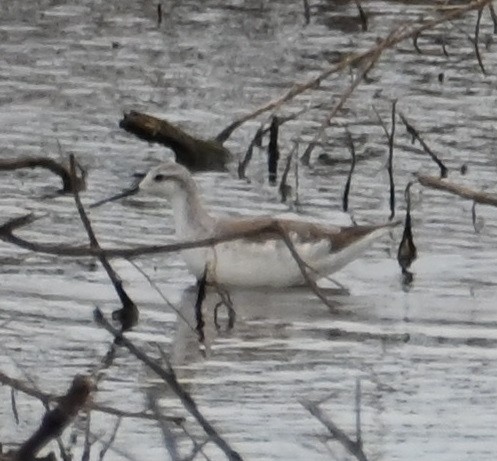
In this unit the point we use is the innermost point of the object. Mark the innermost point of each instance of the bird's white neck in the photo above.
(190, 217)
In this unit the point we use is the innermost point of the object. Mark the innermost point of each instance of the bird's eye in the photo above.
(159, 177)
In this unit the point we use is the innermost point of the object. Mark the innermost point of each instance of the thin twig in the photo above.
(303, 269)
(305, 159)
(307, 12)
(350, 143)
(398, 35)
(7, 229)
(414, 133)
(362, 16)
(462, 191)
(47, 398)
(256, 141)
(476, 41)
(354, 448)
(128, 315)
(109, 442)
(173, 383)
(358, 428)
(167, 435)
(391, 138)
(49, 164)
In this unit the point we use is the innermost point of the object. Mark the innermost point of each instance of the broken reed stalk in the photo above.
(128, 315)
(256, 141)
(47, 398)
(391, 138)
(307, 12)
(305, 159)
(362, 16)
(350, 143)
(353, 447)
(284, 188)
(476, 41)
(398, 35)
(456, 189)
(273, 152)
(201, 291)
(51, 165)
(55, 421)
(358, 426)
(407, 251)
(170, 378)
(493, 15)
(415, 135)
(159, 14)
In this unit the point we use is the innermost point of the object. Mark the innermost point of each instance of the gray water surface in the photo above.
(425, 354)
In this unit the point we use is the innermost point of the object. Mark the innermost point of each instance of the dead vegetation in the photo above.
(198, 154)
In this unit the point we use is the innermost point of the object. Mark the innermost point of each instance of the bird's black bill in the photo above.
(126, 193)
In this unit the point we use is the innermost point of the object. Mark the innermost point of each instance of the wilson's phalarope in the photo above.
(262, 258)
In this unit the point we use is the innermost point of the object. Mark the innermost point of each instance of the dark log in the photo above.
(194, 153)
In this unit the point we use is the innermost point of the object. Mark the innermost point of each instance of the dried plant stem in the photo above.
(170, 378)
(49, 164)
(55, 421)
(404, 32)
(128, 316)
(415, 134)
(353, 447)
(462, 191)
(47, 398)
(305, 159)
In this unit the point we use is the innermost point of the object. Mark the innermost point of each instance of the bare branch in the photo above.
(128, 315)
(49, 164)
(55, 421)
(400, 34)
(170, 379)
(462, 191)
(354, 448)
